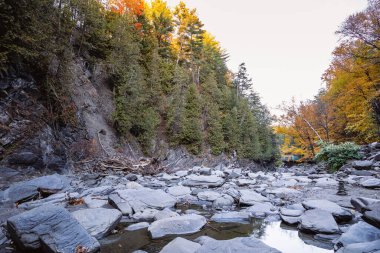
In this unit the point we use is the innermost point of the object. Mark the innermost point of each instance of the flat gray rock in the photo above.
(362, 165)
(318, 221)
(140, 199)
(27, 190)
(98, 221)
(231, 217)
(209, 181)
(372, 183)
(181, 245)
(186, 224)
(238, 245)
(290, 220)
(249, 197)
(291, 212)
(339, 213)
(179, 191)
(137, 226)
(50, 229)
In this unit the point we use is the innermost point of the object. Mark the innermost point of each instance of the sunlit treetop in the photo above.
(127, 6)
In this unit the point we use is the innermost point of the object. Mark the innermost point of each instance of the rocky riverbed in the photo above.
(199, 209)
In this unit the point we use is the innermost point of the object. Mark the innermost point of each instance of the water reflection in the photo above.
(283, 238)
(288, 240)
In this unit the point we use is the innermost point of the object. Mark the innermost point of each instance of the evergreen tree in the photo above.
(191, 128)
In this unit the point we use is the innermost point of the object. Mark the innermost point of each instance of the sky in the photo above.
(286, 44)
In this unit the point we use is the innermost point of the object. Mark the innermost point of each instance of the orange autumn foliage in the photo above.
(132, 6)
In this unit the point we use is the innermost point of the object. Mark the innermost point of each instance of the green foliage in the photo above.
(191, 128)
(337, 155)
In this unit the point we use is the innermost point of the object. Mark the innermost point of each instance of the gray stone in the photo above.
(325, 182)
(137, 226)
(362, 204)
(362, 165)
(224, 201)
(318, 221)
(21, 192)
(208, 195)
(233, 193)
(373, 215)
(231, 217)
(249, 197)
(121, 204)
(140, 199)
(205, 171)
(208, 181)
(98, 221)
(147, 214)
(371, 183)
(181, 245)
(339, 213)
(285, 193)
(98, 191)
(239, 244)
(291, 212)
(365, 247)
(166, 213)
(58, 199)
(358, 233)
(95, 202)
(186, 224)
(261, 210)
(179, 191)
(290, 220)
(51, 229)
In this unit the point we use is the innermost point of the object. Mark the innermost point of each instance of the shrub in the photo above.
(337, 155)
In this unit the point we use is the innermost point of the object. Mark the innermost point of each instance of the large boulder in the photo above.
(239, 244)
(360, 232)
(98, 221)
(181, 245)
(207, 181)
(24, 191)
(318, 221)
(186, 224)
(339, 213)
(50, 229)
(249, 197)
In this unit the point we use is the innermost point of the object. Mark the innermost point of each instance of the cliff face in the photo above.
(29, 137)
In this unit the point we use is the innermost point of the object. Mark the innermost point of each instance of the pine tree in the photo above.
(191, 129)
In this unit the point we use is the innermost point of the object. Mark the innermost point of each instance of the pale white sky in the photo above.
(286, 44)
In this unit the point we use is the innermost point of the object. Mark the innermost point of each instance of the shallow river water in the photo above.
(274, 234)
